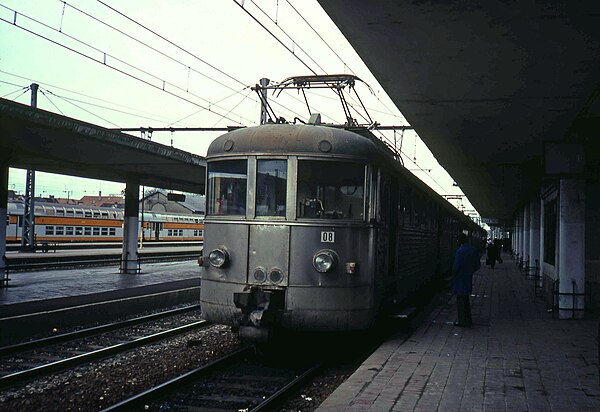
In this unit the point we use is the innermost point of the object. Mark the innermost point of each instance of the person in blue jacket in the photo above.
(466, 262)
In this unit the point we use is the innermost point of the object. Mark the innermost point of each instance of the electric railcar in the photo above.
(71, 223)
(317, 228)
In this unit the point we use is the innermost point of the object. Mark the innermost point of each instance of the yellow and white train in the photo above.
(55, 222)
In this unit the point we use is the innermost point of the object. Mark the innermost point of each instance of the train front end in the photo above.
(288, 243)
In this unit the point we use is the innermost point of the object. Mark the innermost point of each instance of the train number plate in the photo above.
(327, 237)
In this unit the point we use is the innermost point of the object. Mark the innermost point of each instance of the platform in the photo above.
(49, 289)
(515, 357)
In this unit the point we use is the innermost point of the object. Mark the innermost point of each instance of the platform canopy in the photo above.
(40, 140)
(488, 86)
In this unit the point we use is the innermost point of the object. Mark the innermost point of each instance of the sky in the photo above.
(186, 63)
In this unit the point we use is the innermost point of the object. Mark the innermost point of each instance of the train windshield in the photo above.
(227, 187)
(330, 190)
(271, 187)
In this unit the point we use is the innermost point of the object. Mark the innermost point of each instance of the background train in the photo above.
(318, 228)
(56, 222)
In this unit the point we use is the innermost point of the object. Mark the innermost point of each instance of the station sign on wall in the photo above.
(176, 197)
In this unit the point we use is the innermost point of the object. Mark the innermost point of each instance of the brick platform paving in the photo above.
(515, 357)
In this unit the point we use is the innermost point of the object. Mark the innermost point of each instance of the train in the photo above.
(318, 228)
(60, 223)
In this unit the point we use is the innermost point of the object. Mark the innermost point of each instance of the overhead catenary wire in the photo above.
(218, 101)
(389, 111)
(23, 90)
(112, 27)
(88, 112)
(171, 42)
(106, 63)
(13, 84)
(319, 35)
(113, 104)
(241, 5)
(51, 102)
(234, 107)
(100, 106)
(287, 35)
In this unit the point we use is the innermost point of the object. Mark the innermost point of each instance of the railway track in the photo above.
(238, 381)
(35, 359)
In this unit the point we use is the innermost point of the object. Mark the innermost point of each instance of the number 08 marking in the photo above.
(327, 237)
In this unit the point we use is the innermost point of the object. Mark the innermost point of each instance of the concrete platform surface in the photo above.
(29, 287)
(515, 357)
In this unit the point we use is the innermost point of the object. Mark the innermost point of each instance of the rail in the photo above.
(82, 333)
(139, 400)
(221, 369)
(46, 369)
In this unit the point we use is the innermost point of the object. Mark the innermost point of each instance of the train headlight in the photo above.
(325, 261)
(218, 257)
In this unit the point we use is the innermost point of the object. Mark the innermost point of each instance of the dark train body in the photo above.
(317, 228)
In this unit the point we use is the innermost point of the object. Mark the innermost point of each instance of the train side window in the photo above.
(87, 231)
(227, 187)
(112, 231)
(104, 231)
(96, 231)
(78, 231)
(69, 231)
(49, 230)
(170, 232)
(96, 213)
(330, 190)
(60, 230)
(88, 213)
(79, 213)
(60, 211)
(271, 187)
(104, 214)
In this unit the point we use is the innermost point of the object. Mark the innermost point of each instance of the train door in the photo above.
(157, 227)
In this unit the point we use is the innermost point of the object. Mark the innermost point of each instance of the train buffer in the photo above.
(404, 313)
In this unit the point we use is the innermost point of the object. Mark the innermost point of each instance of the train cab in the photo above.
(289, 230)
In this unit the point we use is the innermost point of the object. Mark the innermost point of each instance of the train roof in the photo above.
(17, 207)
(290, 139)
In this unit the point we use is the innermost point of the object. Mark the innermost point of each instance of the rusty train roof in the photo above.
(295, 139)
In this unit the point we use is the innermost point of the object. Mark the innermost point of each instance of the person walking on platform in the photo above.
(493, 252)
(466, 262)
